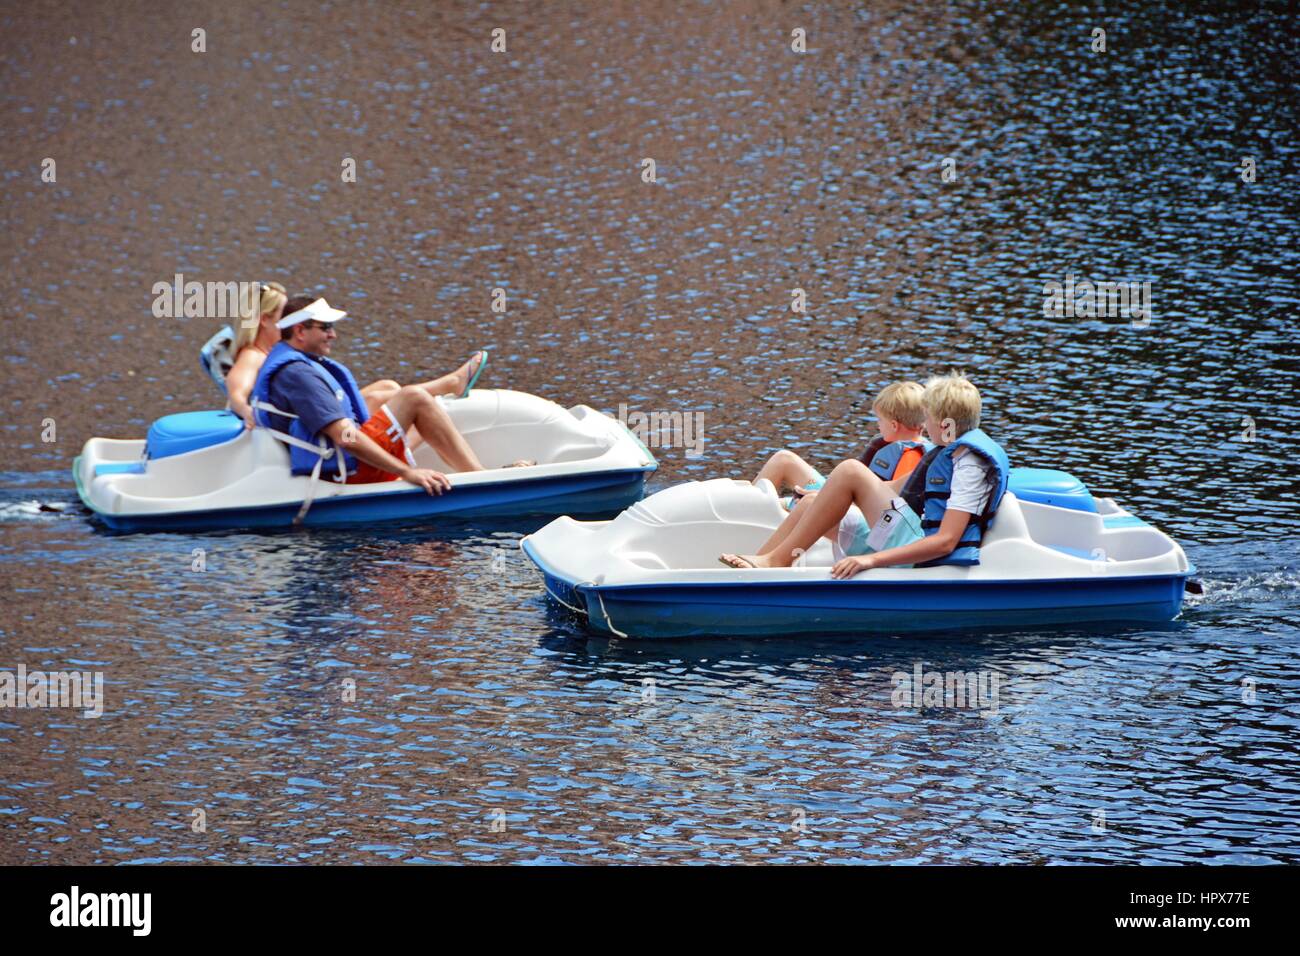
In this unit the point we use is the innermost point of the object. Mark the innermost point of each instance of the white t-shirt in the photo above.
(972, 482)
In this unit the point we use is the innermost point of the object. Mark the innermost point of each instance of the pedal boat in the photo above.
(205, 470)
(1053, 555)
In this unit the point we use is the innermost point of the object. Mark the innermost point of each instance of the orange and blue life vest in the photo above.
(883, 457)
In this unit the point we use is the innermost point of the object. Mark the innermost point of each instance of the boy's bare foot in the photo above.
(521, 463)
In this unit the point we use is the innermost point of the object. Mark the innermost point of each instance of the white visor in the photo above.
(319, 310)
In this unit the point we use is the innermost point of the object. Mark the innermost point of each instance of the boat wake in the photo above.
(1248, 589)
(29, 510)
(36, 496)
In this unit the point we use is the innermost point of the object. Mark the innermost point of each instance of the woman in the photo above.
(258, 334)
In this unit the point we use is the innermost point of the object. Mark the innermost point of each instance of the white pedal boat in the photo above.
(1052, 555)
(204, 470)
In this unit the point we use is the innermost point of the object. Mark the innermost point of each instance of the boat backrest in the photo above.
(218, 356)
(269, 450)
(1009, 522)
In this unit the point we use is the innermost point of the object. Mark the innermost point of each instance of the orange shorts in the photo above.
(381, 429)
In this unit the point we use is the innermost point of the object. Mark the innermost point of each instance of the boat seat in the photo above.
(190, 431)
(1047, 486)
(647, 559)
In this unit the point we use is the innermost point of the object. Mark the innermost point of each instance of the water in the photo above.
(487, 726)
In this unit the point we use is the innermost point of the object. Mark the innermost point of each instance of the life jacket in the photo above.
(929, 485)
(307, 450)
(884, 457)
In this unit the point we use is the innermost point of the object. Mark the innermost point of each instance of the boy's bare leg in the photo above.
(782, 532)
(850, 483)
(785, 469)
(788, 525)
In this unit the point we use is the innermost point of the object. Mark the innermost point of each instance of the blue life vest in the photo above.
(341, 384)
(930, 484)
(882, 457)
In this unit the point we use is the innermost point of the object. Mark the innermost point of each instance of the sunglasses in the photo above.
(314, 324)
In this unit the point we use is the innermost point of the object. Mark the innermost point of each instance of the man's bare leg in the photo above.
(379, 393)
(414, 406)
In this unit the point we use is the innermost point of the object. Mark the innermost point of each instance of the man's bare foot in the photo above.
(743, 562)
(521, 463)
(466, 371)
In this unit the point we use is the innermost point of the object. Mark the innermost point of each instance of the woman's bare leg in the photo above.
(453, 383)
(379, 393)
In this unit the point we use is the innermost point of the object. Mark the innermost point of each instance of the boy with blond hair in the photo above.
(936, 515)
(892, 454)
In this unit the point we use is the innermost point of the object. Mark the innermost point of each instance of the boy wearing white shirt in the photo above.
(936, 515)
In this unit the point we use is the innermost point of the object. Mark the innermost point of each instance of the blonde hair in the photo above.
(258, 299)
(902, 401)
(954, 396)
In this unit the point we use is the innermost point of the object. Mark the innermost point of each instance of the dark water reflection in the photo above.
(226, 687)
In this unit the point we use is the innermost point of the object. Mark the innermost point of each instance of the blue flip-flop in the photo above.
(477, 372)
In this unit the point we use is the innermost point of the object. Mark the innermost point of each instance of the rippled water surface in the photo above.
(486, 726)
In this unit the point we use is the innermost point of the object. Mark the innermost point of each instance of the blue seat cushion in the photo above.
(188, 431)
(1046, 486)
(120, 468)
(1077, 552)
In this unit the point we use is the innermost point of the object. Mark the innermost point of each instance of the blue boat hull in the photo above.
(856, 607)
(596, 493)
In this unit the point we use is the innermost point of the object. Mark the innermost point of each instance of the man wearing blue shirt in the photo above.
(306, 397)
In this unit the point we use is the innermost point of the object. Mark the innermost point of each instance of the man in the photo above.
(313, 403)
